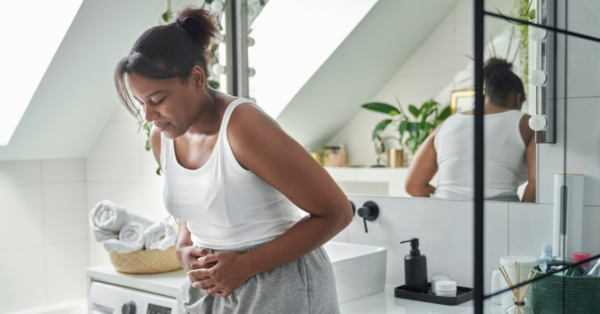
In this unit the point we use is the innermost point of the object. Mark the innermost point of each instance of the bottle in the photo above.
(546, 257)
(415, 268)
(580, 256)
(595, 272)
(519, 307)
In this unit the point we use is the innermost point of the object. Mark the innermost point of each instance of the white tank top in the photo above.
(505, 163)
(226, 207)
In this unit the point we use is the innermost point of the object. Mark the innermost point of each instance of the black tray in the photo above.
(462, 295)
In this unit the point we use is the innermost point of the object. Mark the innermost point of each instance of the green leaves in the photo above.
(425, 119)
(414, 111)
(381, 107)
(402, 128)
(532, 15)
(213, 84)
(380, 127)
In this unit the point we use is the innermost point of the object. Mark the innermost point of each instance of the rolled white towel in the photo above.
(160, 235)
(107, 219)
(131, 238)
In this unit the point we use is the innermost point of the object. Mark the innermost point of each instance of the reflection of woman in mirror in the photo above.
(235, 180)
(509, 146)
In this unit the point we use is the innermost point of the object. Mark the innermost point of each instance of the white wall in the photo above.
(43, 232)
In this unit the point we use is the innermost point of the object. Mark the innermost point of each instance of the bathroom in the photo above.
(313, 79)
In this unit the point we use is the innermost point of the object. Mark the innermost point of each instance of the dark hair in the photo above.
(500, 81)
(168, 51)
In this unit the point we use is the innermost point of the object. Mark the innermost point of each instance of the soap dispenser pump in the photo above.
(415, 268)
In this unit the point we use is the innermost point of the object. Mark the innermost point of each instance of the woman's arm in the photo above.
(529, 193)
(423, 168)
(260, 145)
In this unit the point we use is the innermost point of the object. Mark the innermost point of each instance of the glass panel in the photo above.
(560, 229)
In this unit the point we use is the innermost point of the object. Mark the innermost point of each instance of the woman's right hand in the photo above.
(188, 259)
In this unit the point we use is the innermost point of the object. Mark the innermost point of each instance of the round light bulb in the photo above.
(251, 41)
(251, 72)
(251, 11)
(217, 6)
(537, 122)
(218, 69)
(537, 77)
(537, 34)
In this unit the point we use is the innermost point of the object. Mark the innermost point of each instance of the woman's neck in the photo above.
(208, 119)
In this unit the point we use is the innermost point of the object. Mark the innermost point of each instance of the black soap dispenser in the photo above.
(415, 268)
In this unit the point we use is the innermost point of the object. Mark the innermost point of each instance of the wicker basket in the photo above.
(581, 294)
(145, 261)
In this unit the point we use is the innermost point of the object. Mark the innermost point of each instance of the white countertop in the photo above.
(384, 302)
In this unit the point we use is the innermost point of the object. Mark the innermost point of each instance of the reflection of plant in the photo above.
(425, 119)
(147, 126)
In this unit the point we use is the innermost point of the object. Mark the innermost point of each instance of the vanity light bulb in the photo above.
(537, 122)
(251, 42)
(218, 69)
(537, 77)
(251, 72)
(537, 34)
(251, 11)
(217, 6)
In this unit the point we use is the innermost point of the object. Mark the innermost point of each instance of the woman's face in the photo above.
(171, 106)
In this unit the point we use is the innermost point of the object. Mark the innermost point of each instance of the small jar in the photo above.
(435, 279)
(519, 308)
(445, 288)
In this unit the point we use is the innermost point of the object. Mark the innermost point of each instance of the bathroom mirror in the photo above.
(315, 79)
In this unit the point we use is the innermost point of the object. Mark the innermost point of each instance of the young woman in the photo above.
(509, 146)
(235, 180)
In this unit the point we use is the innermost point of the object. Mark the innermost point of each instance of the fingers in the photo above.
(199, 274)
(217, 290)
(207, 283)
(199, 252)
(210, 258)
(198, 265)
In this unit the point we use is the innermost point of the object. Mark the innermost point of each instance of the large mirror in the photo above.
(363, 94)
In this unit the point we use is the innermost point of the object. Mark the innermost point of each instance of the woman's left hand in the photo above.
(229, 273)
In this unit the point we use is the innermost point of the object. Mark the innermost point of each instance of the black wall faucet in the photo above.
(369, 211)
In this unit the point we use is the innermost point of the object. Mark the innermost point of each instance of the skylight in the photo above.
(31, 32)
(293, 39)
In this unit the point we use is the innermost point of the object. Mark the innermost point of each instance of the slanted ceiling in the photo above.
(363, 63)
(76, 96)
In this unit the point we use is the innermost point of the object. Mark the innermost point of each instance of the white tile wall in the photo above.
(42, 230)
(65, 271)
(444, 229)
(23, 278)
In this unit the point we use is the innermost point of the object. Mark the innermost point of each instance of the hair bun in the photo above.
(496, 66)
(198, 24)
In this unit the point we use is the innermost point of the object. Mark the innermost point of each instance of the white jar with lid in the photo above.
(435, 279)
(445, 288)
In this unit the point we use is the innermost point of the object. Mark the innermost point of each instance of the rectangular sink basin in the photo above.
(359, 269)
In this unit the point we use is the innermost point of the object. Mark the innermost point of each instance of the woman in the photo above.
(235, 181)
(509, 146)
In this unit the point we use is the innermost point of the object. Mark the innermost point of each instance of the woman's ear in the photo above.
(518, 100)
(198, 78)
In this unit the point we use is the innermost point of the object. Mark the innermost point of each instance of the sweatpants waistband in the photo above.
(241, 251)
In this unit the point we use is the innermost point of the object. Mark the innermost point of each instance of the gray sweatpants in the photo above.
(304, 286)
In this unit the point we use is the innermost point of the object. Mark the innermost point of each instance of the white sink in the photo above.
(359, 269)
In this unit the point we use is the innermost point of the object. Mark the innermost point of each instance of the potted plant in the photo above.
(423, 121)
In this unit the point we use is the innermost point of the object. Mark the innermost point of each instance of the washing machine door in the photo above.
(110, 299)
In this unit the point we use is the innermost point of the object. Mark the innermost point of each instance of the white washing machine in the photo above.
(110, 292)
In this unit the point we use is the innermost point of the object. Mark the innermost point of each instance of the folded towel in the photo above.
(131, 238)
(107, 219)
(160, 235)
